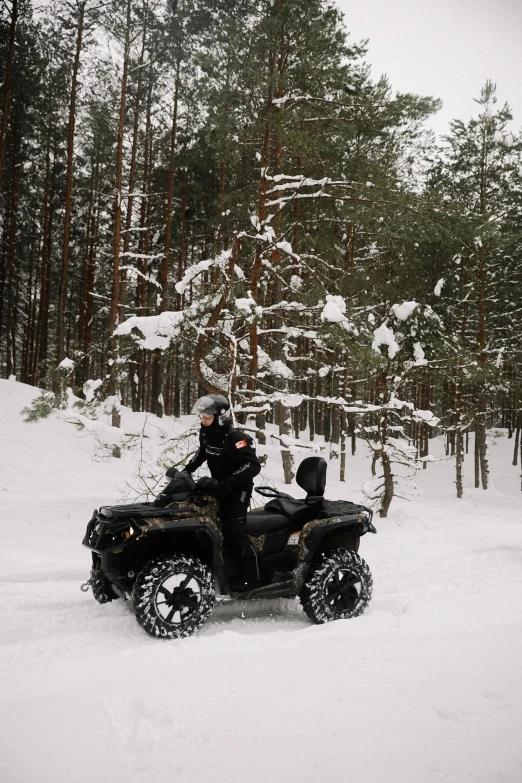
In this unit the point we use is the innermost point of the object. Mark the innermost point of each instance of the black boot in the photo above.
(248, 577)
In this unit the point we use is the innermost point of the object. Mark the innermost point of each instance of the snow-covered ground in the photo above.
(426, 686)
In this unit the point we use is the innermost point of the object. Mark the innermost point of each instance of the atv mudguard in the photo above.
(334, 531)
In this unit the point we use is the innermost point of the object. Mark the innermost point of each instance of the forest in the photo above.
(215, 196)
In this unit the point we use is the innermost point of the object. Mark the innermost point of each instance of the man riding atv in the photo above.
(172, 557)
(233, 464)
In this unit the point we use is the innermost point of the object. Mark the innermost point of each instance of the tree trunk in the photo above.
(165, 261)
(28, 332)
(517, 441)
(62, 292)
(387, 496)
(342, 467)
(261, 216)
(132, 177)
(87, 310)
(311, 412)
(285, 428)
(182, 236)
(11, 252)
(477, 457)
(482, 335)
(113, 318)
(212, 322)
(7, 85)
(43, 309)
(261, 427)
(157, 364)
(483, 456)
(389, 484)
(139, 386)
(458, 462)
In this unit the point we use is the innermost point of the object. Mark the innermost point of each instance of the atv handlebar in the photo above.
(268, 492)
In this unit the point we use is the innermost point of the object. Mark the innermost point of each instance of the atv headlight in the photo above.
(106, 512)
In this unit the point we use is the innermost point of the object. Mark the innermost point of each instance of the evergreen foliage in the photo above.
(222, 185)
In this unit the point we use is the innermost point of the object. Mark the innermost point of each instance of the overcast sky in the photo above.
(444, 48)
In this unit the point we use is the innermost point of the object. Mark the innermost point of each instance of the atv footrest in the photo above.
(274, 590)
(281, 577)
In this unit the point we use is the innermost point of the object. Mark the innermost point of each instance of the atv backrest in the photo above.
(311, 476)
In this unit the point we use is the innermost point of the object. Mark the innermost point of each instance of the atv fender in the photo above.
(207, 530)
(320, 534)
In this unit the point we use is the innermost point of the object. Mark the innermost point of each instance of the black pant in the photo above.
(233, 515)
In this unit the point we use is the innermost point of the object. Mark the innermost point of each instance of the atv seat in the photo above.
(260, 521)
(311, 476)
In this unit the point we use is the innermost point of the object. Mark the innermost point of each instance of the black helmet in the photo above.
(213, 405)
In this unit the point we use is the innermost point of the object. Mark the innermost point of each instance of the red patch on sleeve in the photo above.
(241, 444)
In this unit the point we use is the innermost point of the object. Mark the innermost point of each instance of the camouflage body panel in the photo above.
(347, 537)
(209, 513)
(302, 550)
(258, 542)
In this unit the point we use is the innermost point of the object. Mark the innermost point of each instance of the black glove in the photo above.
(207, 485)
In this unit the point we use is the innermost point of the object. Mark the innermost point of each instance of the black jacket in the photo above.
(230, 455)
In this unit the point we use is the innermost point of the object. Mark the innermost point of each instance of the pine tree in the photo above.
(479, 179)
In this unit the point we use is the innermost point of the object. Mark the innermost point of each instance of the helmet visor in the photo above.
(205, 406)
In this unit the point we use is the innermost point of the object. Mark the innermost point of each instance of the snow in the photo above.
(157, 330)
(383, 335)
(402, 312)
(66, 364)
(90, 387)
(273, 367)
(289, 400)
(418, 353)
(196, 270)
(426, 686)
(334, 309)
(286, 247)
(334, 312)
(280, 368)
(438, 288)
(245, 305)
(193, 272)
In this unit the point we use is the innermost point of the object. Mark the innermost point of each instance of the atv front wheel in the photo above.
(338, 587)
(173, 595)
(101, 587)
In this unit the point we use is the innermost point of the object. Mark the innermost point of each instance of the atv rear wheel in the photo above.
(339, 586)
(173, 595)
(101, 587)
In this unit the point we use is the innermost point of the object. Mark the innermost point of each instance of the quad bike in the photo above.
(168, 557)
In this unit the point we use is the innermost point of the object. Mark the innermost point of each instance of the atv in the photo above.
(169, 560)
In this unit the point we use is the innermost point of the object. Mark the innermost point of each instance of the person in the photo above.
(233, 464)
